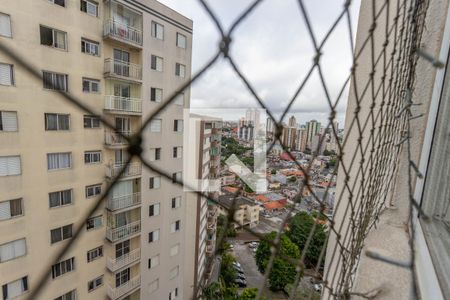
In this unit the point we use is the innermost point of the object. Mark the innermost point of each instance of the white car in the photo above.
(318, 287)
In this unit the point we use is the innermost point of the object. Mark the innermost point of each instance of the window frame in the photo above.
(90, 82)
(53, 2)
(15, 256)
(68, 265)
(178, 68)
(72, 294)
(94, 225)
(58, 116)
(60, 198)
(91, 154)
(154, 32)
(54, 74)
(54, 43)
(154, 66)
(185, 40)
(1, 120)
(11, 70)
(21, 209)
(59, 168)
(94, 187)
(426, 273)
(153, 94)
(97, 7)
(89, 42)
(10, 26)
(91, 121)
(61, 229)
(98, 251)
(152, 212)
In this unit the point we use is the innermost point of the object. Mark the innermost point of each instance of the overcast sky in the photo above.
(274, 51)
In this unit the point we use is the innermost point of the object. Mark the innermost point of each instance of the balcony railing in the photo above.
(114, 264)
(209, 249)
(122, 32)
(122, 69)
(116, 138)
(115, 234)
(117, 292)
(123, 104)
(133, 169)
(123, 201)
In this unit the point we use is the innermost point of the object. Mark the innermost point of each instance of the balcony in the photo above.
(122, 32)
(114, 264)
(124, 201)
(122, 70)
(123, 104)
(132, 170)
(117, 139)
(127, 231)
(209, 249)
(117, 292)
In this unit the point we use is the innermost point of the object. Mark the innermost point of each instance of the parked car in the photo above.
(240, 276)
(318, 287)
(238, 269)
(236, 263)
(240, 283)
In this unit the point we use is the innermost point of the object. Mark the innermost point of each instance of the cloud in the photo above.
(274, 51)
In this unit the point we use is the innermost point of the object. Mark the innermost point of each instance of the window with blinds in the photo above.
(157, 31)
(93, 190)
(6, 74)
(153, 236)
(94, 254)
(177, 152)
(72, 295)
(57, 122)
(175, 226)
(155, 182)
(155, 154)
(11, 209)
(91, 85)
(60, 198)
(57, 161)
(15, 288)
(12, 250)
(156, 63)
(176, 202)
(156, 94)
(53, 37)
(90, 47)
(178, 125)
(91, 122)
(10, 165)
(181, 41)
(8, 121)
(5, 25)
(94, 223)
(89, 7)
(55, 81)
(61, 233)
(92, 157)
(58, 2)
(63, 267)
(153, 262)
(180, 70)
(153, 210)
(155, 125)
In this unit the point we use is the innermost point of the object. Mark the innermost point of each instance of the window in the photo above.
(173, 294)
(90, 47)
(57, 122)
(72, 295)
(12, 250)
(122, 277)
(10, 209)
(53, 37)
(153, 262)
(155, 154)
(153, 286)
(94, 254)
(92, 157)
(94, 223)
(176, 202)
(155, 182)
(178, 125)
(89, 7)
(8, 121)
(156, 94)
(10, 165)
(174, 250)
(58, 2)
(174, 272)
(6, 74)
(175, 226)
(91, 85)
(157, 63)
(176, 177)
(55, 81)
(60, 198)
(5, 25)
(153, 210)
(155, 125)
(153, 236)
(94, 284)
(61, 233)
(180, 70)
(157, 31)
(91, 122)
(122, 248)
(93, 190)
(57, 161)
(63, 267)
(179, 99)
(177, 152)
(181, 40)
(15, 288)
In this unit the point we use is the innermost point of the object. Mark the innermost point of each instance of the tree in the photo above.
(249, 294)
(292, 179)
(227, 272)
(273, 172)
(300, 227)
(282, 272)
(212, 291)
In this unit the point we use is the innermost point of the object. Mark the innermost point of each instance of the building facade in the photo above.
(120, 58)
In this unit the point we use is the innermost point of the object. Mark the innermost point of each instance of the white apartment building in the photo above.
(121, 58)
